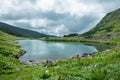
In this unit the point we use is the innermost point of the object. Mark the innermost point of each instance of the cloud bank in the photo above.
(56, 17)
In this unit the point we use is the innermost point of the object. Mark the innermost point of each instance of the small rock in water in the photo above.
(107, 50)
(25, 63)
(31, 61)
(77, 56)
(85, 55)
(91, 54)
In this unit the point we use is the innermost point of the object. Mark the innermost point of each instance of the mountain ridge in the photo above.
(108, 29)
(21, 32)
(108, 25)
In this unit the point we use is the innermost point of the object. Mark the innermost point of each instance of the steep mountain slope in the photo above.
(20, 31)
(108, 27)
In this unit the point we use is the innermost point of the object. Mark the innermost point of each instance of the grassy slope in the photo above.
(108, 28)
(7, 46)
(108, 25)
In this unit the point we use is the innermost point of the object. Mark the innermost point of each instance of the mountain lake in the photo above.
(40, 51)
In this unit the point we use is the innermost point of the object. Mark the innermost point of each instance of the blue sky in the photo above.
(56, 17)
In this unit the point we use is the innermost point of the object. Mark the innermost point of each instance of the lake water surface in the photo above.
(42, 50)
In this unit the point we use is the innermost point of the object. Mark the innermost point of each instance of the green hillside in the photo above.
(20, 32)
(7, 46)
(108, 27)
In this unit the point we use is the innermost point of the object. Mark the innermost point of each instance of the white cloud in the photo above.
(76, 7)
(45, 5)
(57, 17)
(39, 22)
(73, 7)
(60, 29)
(4, 6)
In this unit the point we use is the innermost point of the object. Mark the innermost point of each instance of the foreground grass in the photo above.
(102, 66)
(7, 48)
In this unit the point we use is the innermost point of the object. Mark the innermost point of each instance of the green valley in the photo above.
(103, 65)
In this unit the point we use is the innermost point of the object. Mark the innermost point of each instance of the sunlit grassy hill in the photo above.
(108, 28)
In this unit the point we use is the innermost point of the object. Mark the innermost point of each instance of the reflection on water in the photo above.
(41, 50)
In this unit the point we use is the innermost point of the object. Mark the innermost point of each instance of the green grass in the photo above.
(115, 40)
(7, 44)
(71, 39)
(8, 47)
(102, 66)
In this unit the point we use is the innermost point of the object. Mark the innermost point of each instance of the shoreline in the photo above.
(17, 56)
(33, 62)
